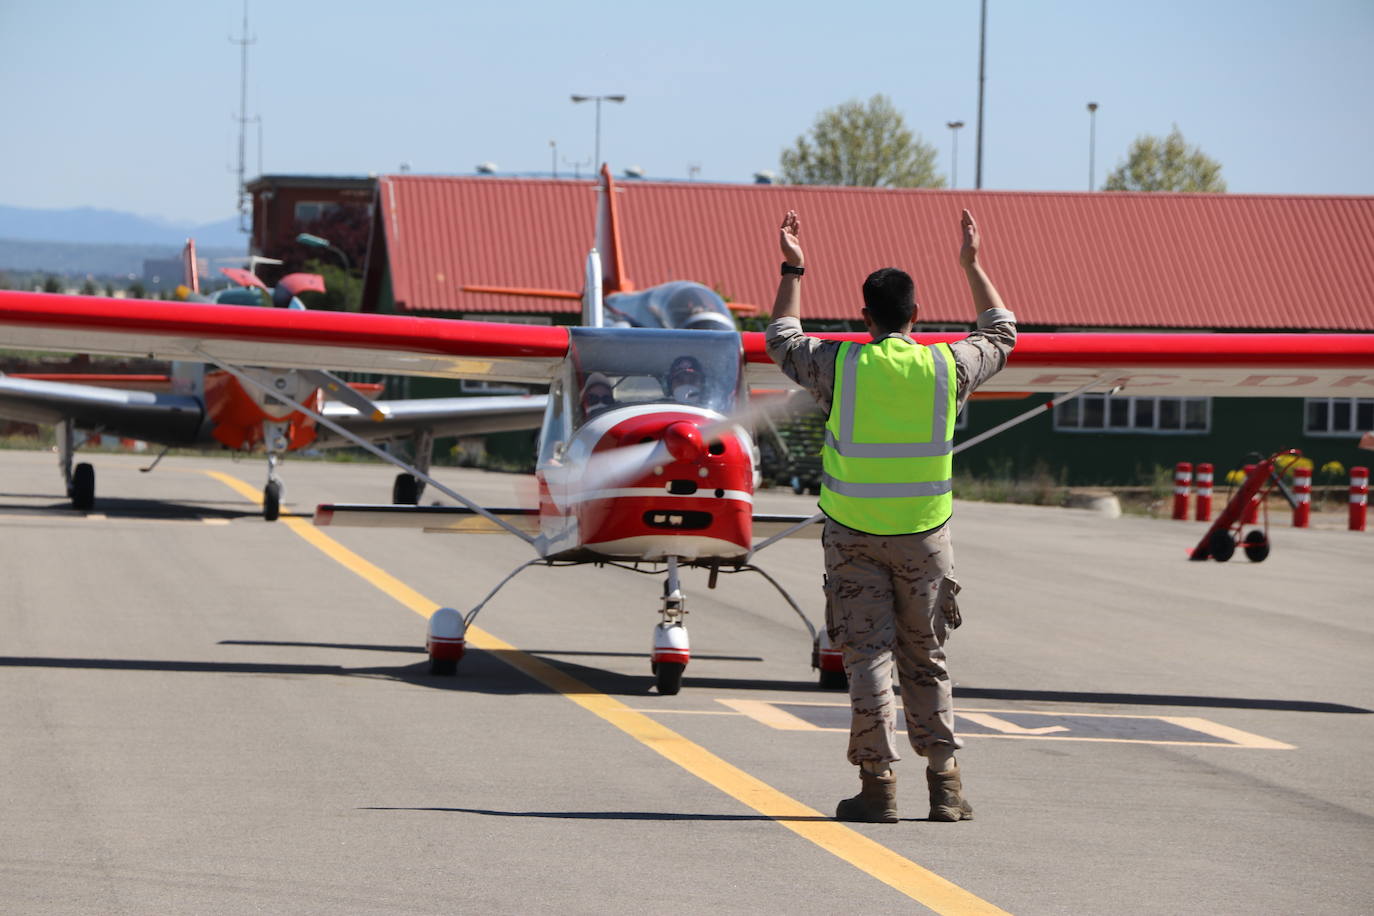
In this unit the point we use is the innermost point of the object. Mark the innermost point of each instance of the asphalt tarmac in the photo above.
(202, 712)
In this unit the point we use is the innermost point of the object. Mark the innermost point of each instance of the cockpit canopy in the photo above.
(681, 304)
(614, 367)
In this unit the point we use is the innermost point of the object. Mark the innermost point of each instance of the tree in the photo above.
(51, 284)
(867, 145)
(345, 226)
(343, 290)
(1167, 164)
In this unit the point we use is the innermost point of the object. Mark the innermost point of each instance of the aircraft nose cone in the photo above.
(684, 442)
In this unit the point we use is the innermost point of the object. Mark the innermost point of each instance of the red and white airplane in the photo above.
(210, 407)
(664, 470)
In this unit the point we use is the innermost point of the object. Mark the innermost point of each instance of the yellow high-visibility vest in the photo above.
(888, 456)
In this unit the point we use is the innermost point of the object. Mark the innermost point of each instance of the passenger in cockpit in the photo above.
(687, 381)
(597, 394)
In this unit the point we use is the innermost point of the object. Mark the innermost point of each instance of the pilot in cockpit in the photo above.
(597, 394)
(687, 381)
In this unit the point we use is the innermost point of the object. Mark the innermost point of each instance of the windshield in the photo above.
(615, 367)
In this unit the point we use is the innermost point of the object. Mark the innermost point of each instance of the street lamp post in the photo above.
(598, 99)
(954, 157)
(982, 73)
(314, 241)
(1092, 141)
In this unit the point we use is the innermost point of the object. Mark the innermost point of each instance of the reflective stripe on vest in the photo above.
(888, 471)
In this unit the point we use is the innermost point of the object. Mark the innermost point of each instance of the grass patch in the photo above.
(1040, 487)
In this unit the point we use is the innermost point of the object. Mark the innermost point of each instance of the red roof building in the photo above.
(1060, 260)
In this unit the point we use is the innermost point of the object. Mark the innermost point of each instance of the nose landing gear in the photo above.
(672, 651)
(276, 438)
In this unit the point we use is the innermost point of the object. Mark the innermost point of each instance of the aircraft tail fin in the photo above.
(190, 268)
(615, 276)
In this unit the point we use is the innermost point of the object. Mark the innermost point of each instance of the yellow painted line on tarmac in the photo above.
(873, 858)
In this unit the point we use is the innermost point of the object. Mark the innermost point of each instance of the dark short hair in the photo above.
(890, 297)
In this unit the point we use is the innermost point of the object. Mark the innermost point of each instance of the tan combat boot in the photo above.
(947, 802)
(876, 802)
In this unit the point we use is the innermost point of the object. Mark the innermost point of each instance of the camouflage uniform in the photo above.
(892, 596)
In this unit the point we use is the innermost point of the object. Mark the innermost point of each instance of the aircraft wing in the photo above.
(1170, 365)
(458, 520)
(474, 416)
(170, 419)
(1175, 365)
(282, 338)
(447, 519)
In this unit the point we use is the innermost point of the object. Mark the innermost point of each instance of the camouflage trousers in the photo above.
(891, 598)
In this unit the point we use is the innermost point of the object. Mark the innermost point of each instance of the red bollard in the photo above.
(1359, 497)
(1251, 508)
(1302, 492)
(1204, 492)
(1183, 478)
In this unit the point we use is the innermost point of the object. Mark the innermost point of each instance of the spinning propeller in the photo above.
(682, 440)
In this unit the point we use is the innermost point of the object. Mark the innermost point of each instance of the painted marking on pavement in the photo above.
(770, 714)
(920, 884)
(1025, 724)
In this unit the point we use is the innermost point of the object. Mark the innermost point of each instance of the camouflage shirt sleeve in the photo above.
(982, 354)
(808, 361)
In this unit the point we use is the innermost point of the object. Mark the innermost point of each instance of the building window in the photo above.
(1164, 416)
(1338, 416)
(307, 211)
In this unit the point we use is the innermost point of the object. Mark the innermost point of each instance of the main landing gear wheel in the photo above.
(446, 641)
(1221, 546)
(668, 677)
(406, 490)
(1256, 546)
(83, 487)
(271, 500)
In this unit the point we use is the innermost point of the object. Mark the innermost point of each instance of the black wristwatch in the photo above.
(790, 269)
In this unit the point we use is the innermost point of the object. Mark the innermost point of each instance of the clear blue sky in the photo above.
(131, 106)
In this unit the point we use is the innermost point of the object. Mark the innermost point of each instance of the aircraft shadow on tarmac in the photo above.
(1153, 699)
(613, 815)
(116, 508)
(480, 673)
(486, 672)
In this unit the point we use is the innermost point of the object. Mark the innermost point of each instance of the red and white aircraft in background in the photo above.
(210, 407)
(659, 474)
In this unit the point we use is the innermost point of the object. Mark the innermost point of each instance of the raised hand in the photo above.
(968, 251)
(788, 237)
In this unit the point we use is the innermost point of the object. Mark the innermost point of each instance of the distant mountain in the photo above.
(87, 225)
(79, 259)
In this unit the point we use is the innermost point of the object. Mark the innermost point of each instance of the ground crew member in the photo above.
(886, 493)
